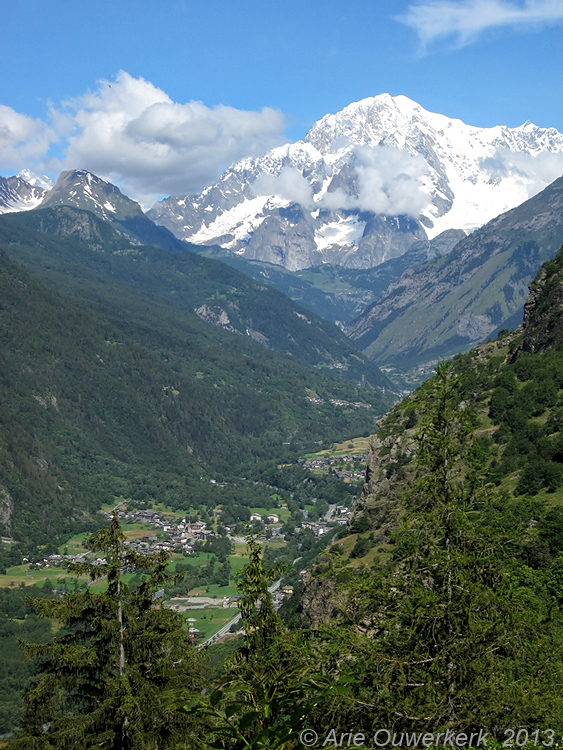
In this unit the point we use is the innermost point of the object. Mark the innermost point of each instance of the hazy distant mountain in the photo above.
(22, 192)
(456, 301)
(365, 185)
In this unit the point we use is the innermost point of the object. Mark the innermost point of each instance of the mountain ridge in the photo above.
(513, 386)
(458, 300)
(380, 159)
(199, 287)
(109, 389)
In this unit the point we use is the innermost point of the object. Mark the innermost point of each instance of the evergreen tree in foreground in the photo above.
(443, 638)
(106, 679)
(272, 684)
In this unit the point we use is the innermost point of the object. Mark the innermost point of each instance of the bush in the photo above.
(361, 548)
(360, 524)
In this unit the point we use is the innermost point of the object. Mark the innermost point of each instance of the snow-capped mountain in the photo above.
(82, 189)
(44, 182)
(365, 185)
(23, 191)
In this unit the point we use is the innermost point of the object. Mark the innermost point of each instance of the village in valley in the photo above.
(192, 543)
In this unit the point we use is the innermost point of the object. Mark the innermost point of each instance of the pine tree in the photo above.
(271, 683)
(105, 680)
(449, 644)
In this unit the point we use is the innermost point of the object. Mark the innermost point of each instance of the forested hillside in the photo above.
(127, 396)
(438, 610)
(79, 253)
(448, 579)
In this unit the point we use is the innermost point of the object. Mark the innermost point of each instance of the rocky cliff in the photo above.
(543, 312)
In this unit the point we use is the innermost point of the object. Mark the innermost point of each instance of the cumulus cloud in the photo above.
(380, 179)
(387, 181)
(535, 171)
(390, 181)
(289, 184)
(130, 132)
(22, 139)
(464, 21)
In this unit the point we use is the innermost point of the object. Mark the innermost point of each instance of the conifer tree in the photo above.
(272, 683)
(105, 680)
(449, 644)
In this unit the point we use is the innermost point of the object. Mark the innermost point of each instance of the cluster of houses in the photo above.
(350, 476)
(271, 519)
(180, 537)
(340, 514)
(322, 461)
(57, 561)
(316, 464)
(339, 402)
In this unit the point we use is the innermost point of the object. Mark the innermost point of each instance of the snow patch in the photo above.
(345, 232)
(240, 221)
(44, 182)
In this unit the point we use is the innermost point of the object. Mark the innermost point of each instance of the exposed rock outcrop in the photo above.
(543, 311)
(6, 508)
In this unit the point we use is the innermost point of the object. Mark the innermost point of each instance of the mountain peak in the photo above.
(19, 194)
(375, 162)
(44, 182)
(82, 189)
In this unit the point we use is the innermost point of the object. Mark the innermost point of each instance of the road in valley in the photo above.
(225, 629)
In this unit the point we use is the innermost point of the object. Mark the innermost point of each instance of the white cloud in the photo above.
(465, 20)
(22, 139)
(390, 181)
(535, 171)
(289, 184)
(130, 132)
(383, 180)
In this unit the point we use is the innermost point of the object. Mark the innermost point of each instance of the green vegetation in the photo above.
(523, 400)
(439, 609)
(17, 622)
(335, 293)
(456, 301)
(178, 283)
(101, 397)
(106, 678)
(453, 644)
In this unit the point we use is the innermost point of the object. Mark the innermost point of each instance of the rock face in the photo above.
(543, 312)
(6, 508)
(377, 508)
(363, 186)
(454, 302)
(17, 194)
(81, 189)
(319, 601)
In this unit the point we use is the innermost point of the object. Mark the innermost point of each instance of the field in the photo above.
(209, 621)
(283, 513)
(354, 445)
(20, 574)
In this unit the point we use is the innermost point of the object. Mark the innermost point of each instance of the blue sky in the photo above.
(109, 85)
